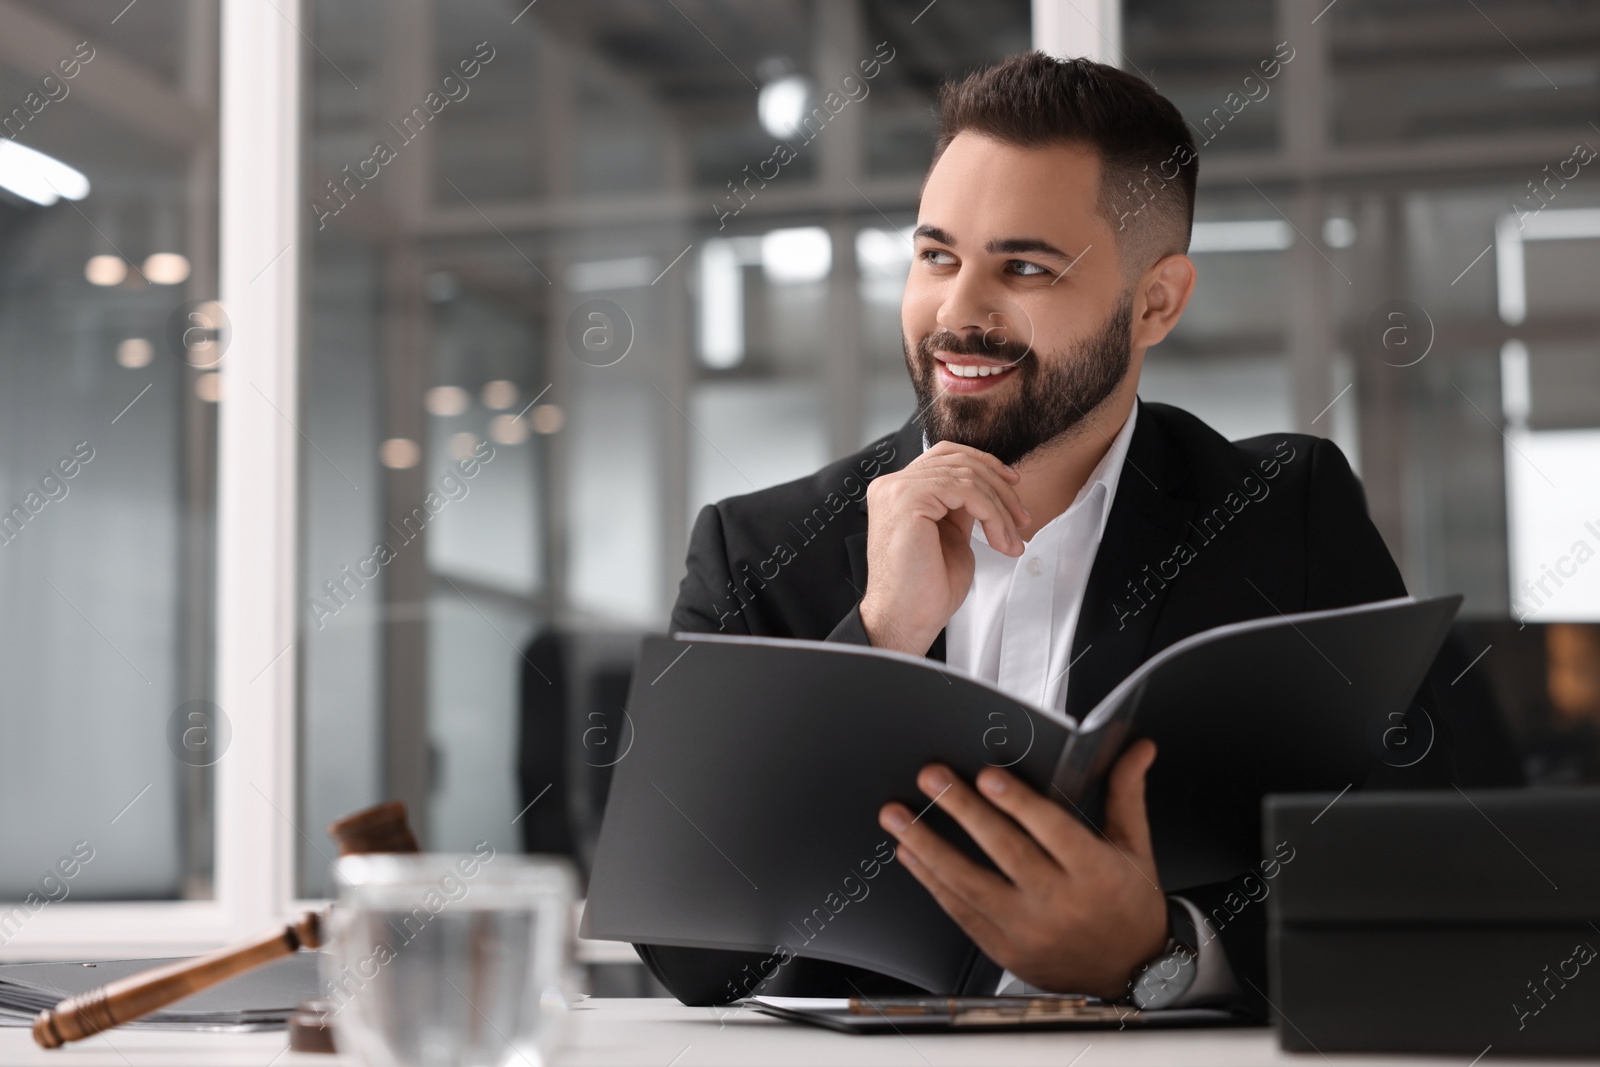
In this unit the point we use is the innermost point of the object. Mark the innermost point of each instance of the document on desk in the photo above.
(262, 999)
(743, 811)
(876, 1015)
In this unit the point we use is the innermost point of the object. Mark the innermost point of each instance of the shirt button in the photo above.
(1035, 567)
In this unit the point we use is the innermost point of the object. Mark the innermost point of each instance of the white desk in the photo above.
(651, 1033)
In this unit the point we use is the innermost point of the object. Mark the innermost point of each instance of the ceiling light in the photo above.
(35, 176)
(547, 418)
(801, 254)
(105, 270)
(1254, 235)
(399, 453)
(499, 394)
(166, 268)
(446, 400)
(882, 251)
(781, 105)
(507, 430)
(1338, 233)
(135, 352)
(599, 275)
(463, 445)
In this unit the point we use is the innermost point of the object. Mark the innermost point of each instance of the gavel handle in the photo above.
(138, 995)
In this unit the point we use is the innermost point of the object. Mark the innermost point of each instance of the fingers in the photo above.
(1065, 838)
(962, 461)
(989, 937)
(951, 448)
(983, 890)
(976, 491)
(1127, 823)
(1012, 850)
(983, 504)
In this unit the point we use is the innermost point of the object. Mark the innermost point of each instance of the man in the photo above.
(1038, 527)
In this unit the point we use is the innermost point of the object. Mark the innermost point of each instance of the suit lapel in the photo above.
(1125, 594)
(907, 447)
(855, 545)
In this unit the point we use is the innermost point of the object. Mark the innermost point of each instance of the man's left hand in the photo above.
(1070, 911)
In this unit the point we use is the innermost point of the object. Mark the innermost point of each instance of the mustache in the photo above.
(991, 344)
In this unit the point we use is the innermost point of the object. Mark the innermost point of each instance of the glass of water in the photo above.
(450, 960)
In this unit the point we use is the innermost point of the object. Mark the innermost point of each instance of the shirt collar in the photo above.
(1107, 473)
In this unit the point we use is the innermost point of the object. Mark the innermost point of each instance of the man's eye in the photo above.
(1023, 267)
(932, 255)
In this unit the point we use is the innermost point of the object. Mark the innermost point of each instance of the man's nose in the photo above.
(968, 304)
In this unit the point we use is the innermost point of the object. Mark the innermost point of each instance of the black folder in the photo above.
(744, 813)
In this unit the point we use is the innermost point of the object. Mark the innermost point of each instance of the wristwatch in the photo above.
(1163, 980)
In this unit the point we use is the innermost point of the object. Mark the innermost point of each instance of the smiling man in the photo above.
(1037, 526)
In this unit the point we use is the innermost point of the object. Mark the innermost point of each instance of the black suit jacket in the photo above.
(1202, 532)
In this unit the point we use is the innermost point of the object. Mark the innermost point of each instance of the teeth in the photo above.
(974, 370)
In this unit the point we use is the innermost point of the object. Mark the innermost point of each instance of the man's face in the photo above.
(1015, 279)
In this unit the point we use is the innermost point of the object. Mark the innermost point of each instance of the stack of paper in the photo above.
(262, 999)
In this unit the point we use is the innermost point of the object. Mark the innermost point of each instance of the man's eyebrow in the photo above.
(1000, 246)
(1024, 246)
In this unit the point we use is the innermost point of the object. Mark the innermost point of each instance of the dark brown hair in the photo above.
(1148, 160)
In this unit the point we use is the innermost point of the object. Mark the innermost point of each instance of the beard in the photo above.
(1051, 396)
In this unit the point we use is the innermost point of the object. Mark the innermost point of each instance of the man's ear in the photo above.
(1162, 294)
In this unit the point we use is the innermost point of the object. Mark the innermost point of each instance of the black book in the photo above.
(744, 814)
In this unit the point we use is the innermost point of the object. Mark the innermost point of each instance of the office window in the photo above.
(108, 275)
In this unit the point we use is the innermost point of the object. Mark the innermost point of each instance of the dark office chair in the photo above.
(574, 730)
(1482, 746)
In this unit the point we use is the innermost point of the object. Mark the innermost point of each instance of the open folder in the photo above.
(744, 812)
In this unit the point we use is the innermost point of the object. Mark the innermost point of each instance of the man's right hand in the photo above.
(919, 532)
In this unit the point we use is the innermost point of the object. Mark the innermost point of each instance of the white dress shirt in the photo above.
(1015, 628)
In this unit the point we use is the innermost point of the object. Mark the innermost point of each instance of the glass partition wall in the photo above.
(1396, 238)
(589, 272)
(366, 364)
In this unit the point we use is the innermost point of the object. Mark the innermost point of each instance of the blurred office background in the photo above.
(1398, 243)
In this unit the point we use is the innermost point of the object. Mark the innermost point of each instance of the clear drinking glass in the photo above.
(447, 960)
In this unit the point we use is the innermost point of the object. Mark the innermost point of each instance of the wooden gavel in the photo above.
(378, 829)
